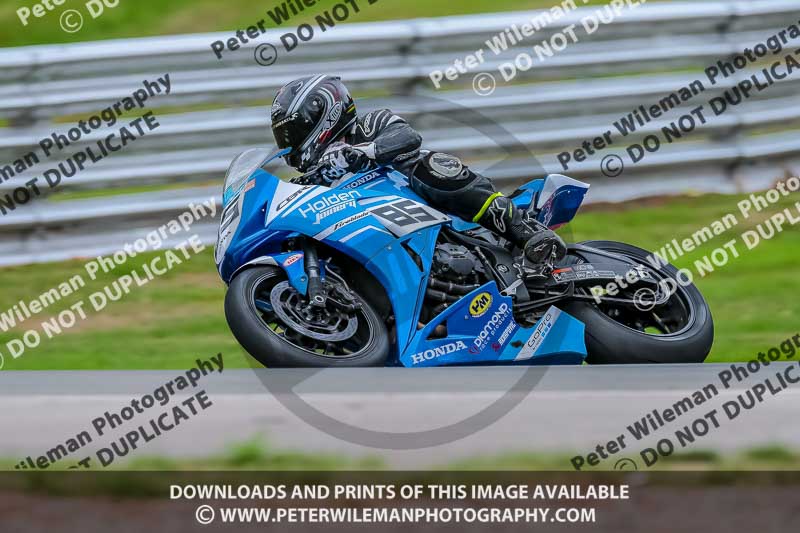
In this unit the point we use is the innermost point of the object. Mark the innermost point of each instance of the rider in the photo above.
(316, 117)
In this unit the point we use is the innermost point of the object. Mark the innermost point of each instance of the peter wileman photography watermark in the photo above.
(66, 319)
(768, 382)
(108, 423)
(646, 298)
(64, 142)
(433, 503)
(484, 83)
(70, 20)
(266, 54)
(783, 65)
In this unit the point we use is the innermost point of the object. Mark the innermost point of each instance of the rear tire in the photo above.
(610, 342)
(270, 349)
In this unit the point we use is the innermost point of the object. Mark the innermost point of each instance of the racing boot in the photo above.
(540, 245)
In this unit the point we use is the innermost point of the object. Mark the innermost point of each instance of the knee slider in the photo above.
(444, 172)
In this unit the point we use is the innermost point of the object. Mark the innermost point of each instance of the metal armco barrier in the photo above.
(639, 58)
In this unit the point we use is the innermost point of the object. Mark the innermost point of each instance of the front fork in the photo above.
(316, 292)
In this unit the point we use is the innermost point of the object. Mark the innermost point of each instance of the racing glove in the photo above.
(341, 158)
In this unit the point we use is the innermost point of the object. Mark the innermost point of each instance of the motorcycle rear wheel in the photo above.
(615, 336)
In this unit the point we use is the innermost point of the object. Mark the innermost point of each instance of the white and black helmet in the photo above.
(310, 113)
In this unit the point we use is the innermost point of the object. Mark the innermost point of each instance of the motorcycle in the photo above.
(366, 273)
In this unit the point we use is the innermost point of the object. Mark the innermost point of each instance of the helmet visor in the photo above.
(289, 132)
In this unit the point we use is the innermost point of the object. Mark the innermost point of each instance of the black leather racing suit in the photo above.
(447, 184)
(439, 178)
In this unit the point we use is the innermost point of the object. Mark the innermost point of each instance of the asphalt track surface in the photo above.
(398, 414)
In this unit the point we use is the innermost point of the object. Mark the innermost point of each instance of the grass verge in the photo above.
(257, 455)
(144, 18)
(178, 317)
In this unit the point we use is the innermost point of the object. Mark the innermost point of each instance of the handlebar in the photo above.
(309, 178)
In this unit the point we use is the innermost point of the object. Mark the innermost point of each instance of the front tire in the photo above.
(610, 341)
(274, 343)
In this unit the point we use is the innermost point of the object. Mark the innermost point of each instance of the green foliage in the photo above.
(773, 454)
(144, 18)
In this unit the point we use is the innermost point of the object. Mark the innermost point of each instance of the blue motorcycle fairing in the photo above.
(556, 339)
(375, 218)
(558, 199)
(394, 181)
(375, 227)
(481, 329)
(397, 271)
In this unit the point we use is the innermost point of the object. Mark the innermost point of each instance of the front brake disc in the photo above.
(280, 296)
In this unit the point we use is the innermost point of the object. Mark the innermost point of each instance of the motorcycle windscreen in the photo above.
(242, 167)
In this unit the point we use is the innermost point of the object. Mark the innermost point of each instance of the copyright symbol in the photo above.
(204, 515)
(626, 464)
(612, 166)
(71, 20)
(266, 54)
(644, 299)
(484, 84)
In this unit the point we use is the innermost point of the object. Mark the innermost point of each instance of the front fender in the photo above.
(291, 263)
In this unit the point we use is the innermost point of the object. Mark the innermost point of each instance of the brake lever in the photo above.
(306, 179)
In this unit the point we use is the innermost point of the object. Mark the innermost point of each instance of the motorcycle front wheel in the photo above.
(679, 331)
(275, 324)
